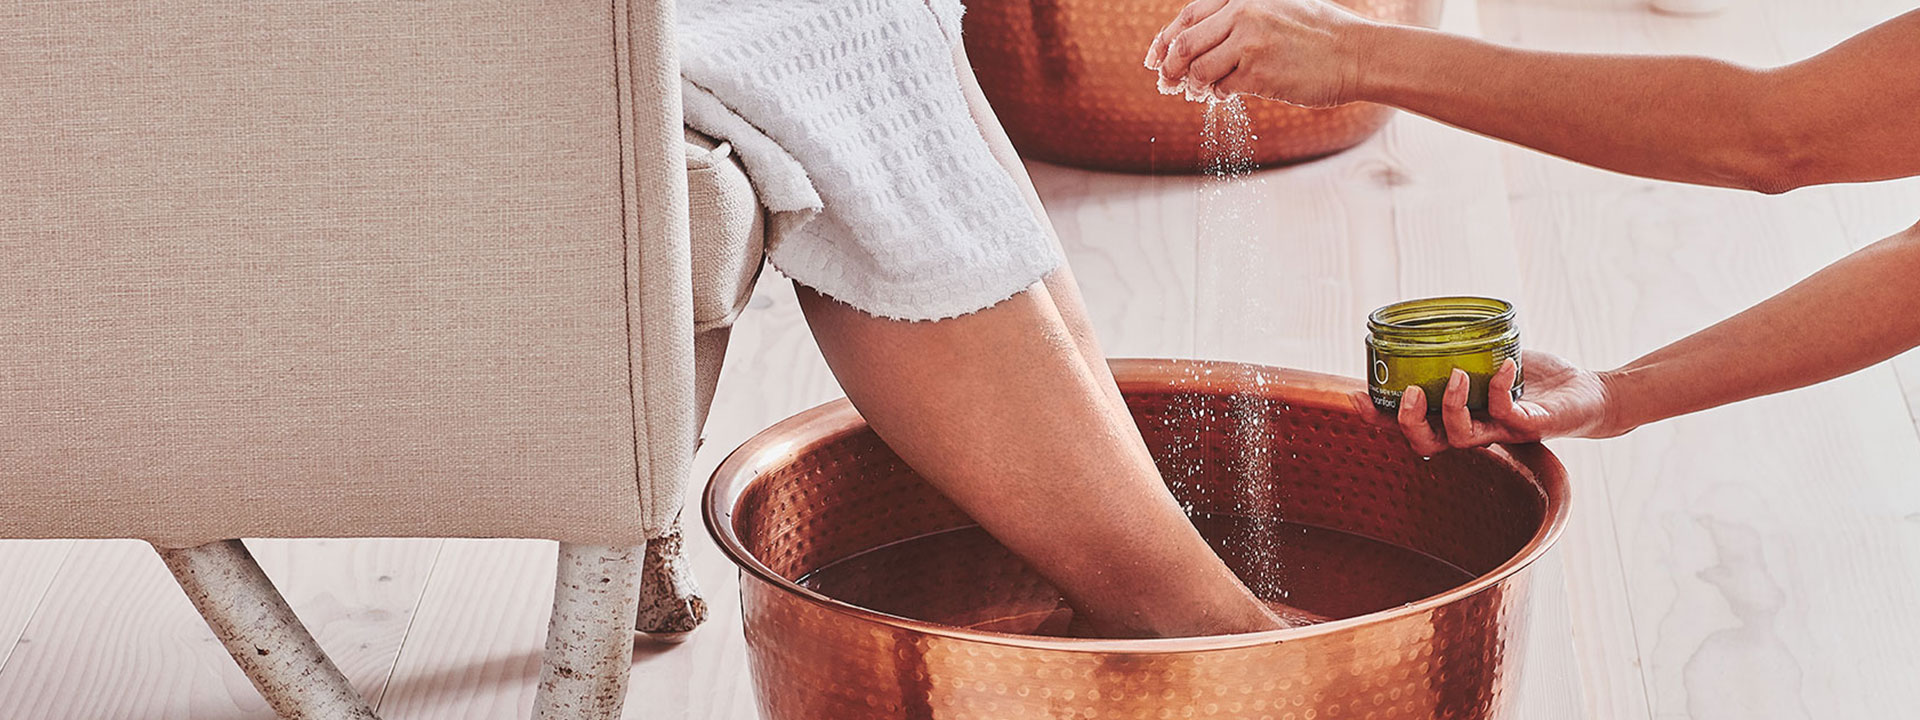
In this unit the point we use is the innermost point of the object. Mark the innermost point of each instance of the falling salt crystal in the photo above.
(1230, 201)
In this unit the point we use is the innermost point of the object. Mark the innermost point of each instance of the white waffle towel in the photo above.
(852, 124)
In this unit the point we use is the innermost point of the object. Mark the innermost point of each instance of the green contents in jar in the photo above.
(1420, 342)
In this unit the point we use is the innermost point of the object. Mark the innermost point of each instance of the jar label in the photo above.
(1388, 376)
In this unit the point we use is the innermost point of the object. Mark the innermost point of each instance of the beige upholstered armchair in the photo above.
(319, 269)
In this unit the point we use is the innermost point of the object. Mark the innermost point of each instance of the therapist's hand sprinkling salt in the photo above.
(1305, 52)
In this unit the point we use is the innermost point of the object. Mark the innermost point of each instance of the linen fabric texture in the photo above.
(312, 269)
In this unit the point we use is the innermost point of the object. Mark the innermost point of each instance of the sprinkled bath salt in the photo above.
(1226, 141)
(1231, 197)
(1230, 205)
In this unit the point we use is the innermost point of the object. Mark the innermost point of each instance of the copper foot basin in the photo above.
(820, 488)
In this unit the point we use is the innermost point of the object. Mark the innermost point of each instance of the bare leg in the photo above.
(1029, 421)
(1002, 412)
(1061, 285)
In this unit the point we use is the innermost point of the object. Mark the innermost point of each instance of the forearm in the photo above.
(1845, 115)
(1673, 118)
(1854, 313)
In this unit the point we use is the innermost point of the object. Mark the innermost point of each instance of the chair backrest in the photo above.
(320, 269)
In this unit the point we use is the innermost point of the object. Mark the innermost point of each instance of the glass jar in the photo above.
(1420, 342)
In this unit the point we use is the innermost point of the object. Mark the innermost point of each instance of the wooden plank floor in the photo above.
(1757, 561)
(1766, 547)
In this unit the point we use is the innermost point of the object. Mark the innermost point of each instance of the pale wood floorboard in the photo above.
(1754, 562)
(1765, 545)
(474, 649)
(1455, 236)
(27, 568)
(1131, 240)
(115, 638)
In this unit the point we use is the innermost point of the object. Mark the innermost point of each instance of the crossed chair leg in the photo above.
(598, 604)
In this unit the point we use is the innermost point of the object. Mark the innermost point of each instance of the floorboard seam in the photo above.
(401, 650)
(38, 603)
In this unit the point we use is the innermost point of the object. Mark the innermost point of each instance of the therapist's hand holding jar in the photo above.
(1562, 400)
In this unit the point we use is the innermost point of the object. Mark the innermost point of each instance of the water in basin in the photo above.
(963, 577)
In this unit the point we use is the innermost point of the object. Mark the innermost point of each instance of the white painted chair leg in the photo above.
(262, 634)
(670, 603)
(590, 637)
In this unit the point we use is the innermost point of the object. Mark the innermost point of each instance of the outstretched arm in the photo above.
(1856, 312)
(1846, 115)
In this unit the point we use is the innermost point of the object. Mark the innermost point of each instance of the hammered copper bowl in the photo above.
(1066, 80)
(820, 487)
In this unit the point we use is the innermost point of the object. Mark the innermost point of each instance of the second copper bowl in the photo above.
(1065, 79)
(820, 487)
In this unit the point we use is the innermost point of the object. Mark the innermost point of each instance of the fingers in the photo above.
(1413, 422)
(1453, 408)
(1195, 42)
(1500, 404)
(1413, 406)
(1194, 12)
(1458, 428)
(1363, 404)
(1208, 70)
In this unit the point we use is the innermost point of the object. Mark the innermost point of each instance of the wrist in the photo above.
(1379, 68)
(1620, 410)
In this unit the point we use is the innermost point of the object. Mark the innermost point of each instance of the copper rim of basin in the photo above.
(790, 438)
